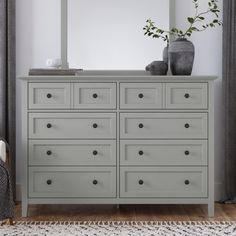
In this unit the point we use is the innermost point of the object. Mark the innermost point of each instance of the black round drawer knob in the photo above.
(95, 125)
(95, 182)
(49, 152)
(186, 95)
(140, 153)
(49, 125)
(140, 125)
(49, 182)
(187, 126)
(140, 182)
(187, 182)
(95, 152)
(186, 153)
(140, 95)
(49, 95)
(95, 95)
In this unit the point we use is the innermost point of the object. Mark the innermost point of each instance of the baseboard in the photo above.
(219, 191)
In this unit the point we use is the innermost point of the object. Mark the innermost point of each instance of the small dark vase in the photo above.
(181, 56)
(157, 68)
(165, 55)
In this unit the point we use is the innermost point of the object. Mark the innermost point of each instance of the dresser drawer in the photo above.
(56, 182)
(141, 96)
(95, 95)
(186, 96)
(49, 96)
(163, 153)
(169, 182)
(72, 125)
(71, 153)
(163, 125)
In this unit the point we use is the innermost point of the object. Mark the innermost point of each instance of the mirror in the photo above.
(108, 34)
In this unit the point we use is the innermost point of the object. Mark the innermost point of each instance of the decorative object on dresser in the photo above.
(181, 51)
(157, 68)
(50, 71)
(117, 138)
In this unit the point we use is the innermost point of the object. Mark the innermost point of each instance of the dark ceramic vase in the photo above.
(181, 56)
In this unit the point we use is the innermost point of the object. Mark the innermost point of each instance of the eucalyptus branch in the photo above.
(198, 18)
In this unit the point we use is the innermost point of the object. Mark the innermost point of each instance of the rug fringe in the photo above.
(120, 223)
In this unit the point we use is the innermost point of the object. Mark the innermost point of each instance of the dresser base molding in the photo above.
(136, 126)
(107, 201)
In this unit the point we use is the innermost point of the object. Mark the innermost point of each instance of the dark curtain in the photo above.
(8, 79)
(229, 82)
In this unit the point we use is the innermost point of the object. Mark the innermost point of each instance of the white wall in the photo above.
(38, 38)
(208, 61)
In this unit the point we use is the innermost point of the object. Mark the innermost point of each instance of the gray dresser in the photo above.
(117, 138)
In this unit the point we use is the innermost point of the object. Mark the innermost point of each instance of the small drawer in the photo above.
(49, 96)
(83, 182)
(72, 125)
(71, 153)
(163, 182)
(164, 153)
(140, 95)
(95, 95)
(186, 96)
(163, 125)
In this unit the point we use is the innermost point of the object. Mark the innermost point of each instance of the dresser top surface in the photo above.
(119, 75)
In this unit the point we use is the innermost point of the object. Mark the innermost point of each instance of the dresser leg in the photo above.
(24, 209)
(117, 206)
(211, 209)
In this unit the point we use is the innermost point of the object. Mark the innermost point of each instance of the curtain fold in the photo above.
(8, 79)
(229, 83)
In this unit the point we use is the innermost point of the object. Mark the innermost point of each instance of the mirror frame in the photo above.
(64, 29)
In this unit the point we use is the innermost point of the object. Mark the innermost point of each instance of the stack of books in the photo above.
(49, 71)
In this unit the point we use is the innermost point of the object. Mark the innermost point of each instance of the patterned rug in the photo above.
(119, 228)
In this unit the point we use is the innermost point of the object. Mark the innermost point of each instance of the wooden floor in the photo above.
(224, 212)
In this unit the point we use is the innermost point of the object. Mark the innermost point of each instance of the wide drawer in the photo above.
(163, 125)
(71, 153)
(72, 125)
(163, 153)
(169, 182)
(55, 182)
(95, 95)
(49, 96)
(141, 96)
(186, 96)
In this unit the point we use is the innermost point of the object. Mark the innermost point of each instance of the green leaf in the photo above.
(190, 20)
(201, 18)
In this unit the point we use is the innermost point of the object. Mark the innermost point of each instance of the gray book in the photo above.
(48, 71)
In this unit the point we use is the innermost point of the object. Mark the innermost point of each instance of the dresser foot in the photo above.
(24, 210)
(117, 206)
(211, 209)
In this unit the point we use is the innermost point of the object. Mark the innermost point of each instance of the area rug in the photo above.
(119, 228)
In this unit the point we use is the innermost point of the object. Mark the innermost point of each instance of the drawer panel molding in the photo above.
(55, 182)
(186, 96)
(170, 182)
(164, 153)
(163, 125)
(72, 153)
(141, 96)
(72, 125)
(49, 96)
(95, 95)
